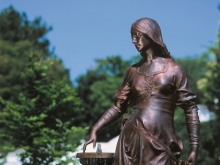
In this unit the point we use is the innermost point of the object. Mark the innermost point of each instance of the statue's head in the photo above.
(151, 29)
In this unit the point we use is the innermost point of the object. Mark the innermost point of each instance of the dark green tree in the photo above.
(18, 38)
(15, 27)
(41, 124)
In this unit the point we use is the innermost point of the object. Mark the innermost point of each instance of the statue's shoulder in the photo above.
(175, 67)
(132, 69)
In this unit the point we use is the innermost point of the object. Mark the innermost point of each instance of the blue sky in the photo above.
(84, 30)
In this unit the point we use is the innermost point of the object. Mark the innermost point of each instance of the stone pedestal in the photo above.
(92, 158)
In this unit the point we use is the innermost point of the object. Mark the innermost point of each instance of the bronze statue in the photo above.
(154, 86)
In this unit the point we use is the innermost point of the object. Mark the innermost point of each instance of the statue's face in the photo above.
(140, 41)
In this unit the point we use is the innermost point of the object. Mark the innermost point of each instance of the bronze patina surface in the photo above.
(153, 87)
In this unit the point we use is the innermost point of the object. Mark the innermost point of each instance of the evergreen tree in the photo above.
(18, 38)
(41, 124)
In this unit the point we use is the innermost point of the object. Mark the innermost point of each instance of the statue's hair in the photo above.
(151, 29)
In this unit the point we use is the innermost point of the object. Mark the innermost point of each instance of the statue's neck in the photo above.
(148, 55)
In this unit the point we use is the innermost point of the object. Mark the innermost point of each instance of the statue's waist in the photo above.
(156, 105)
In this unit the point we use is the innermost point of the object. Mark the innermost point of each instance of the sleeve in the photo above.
(123, 96)
(122, 100)
(186, 99)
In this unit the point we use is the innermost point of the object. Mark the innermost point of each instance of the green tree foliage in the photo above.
(97, 88)
(204, 79)
(19, 37)
(15, 27)
(210, 86)
(210, 83)
(41, 124)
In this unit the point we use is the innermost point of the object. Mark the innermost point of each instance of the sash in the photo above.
(156, 143)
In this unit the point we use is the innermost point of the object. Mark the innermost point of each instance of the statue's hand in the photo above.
(192, 156)
(92, 138)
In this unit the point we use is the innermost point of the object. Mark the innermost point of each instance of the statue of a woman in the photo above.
(154, 86)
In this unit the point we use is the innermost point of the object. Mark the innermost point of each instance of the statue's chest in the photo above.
(162, 83)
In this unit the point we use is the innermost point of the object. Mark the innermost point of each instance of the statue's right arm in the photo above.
(122, 99)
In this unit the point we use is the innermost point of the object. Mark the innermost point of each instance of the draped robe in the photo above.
(154, 89)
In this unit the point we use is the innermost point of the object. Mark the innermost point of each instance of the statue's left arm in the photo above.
(186, 99)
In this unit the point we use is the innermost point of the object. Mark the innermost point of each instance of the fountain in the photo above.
(96, 158)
